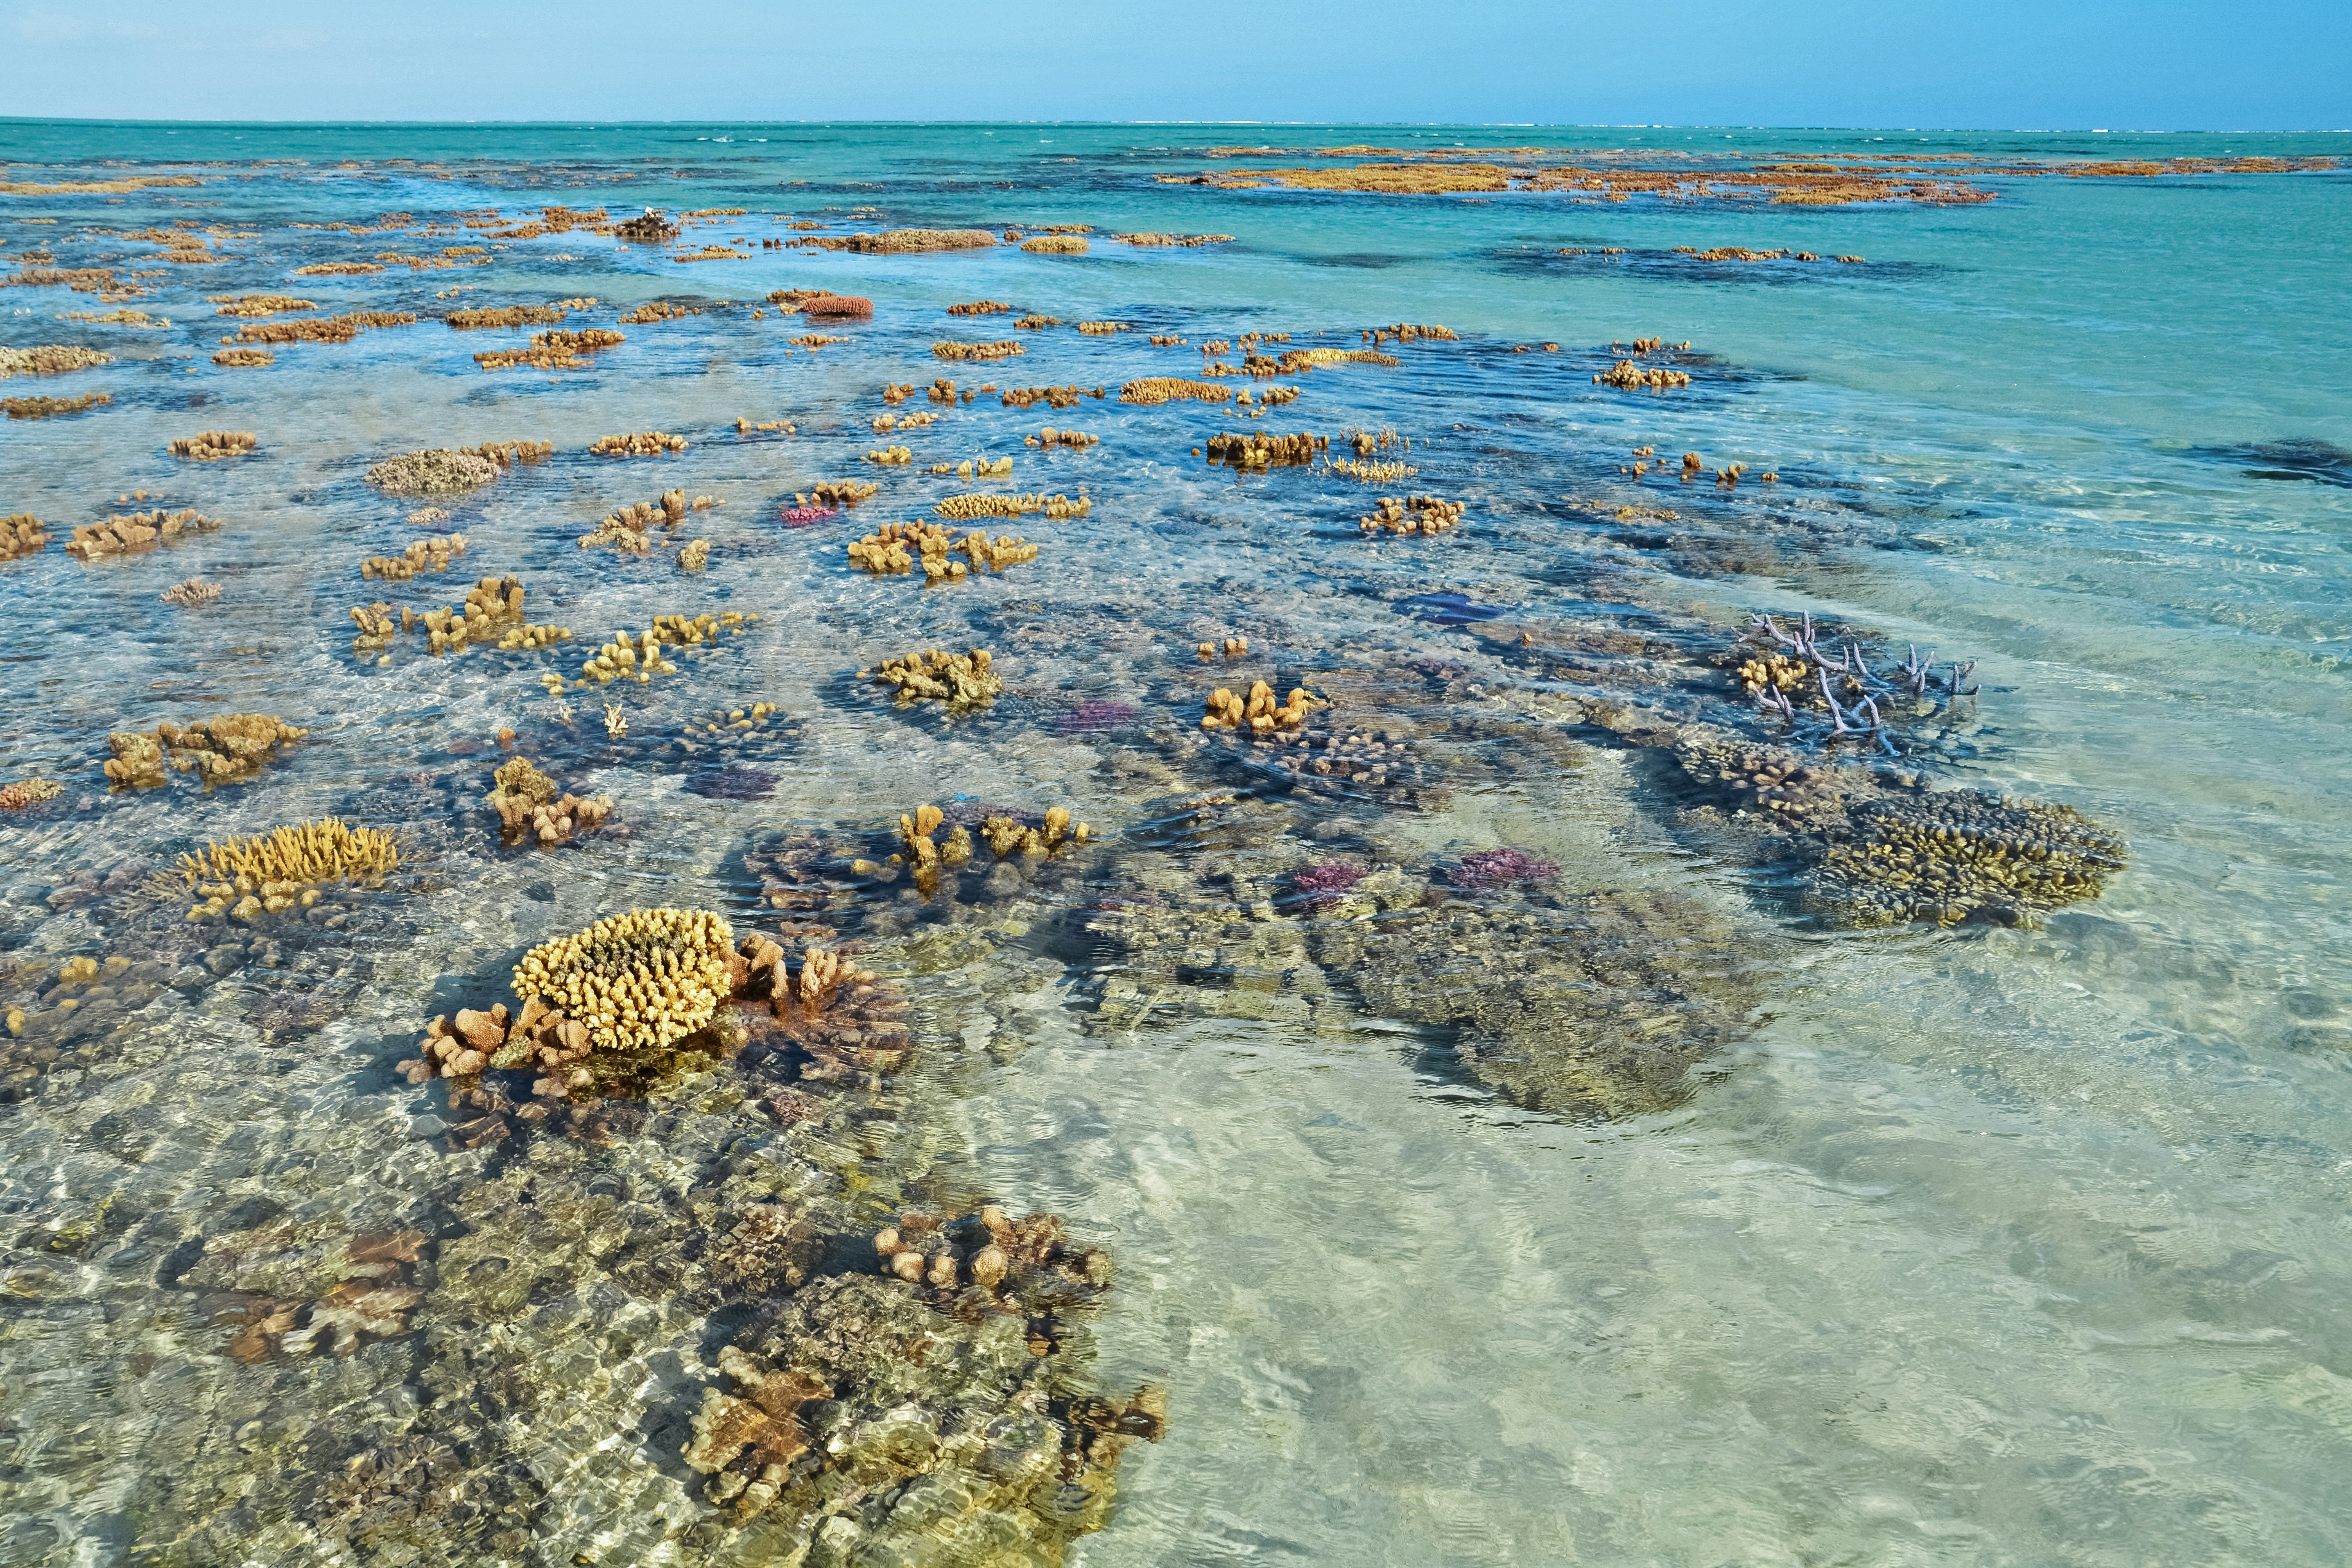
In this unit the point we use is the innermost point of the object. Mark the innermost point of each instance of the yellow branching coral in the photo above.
(1158, 389)
(637, 981)
(290, 860)
(897, 546)
(962, 681)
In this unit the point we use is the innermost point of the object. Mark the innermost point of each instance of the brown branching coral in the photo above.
(21, 536)
(212, 446)
(1415, 514)
(1266, 451)
(529, 806)
(1152, 390)
(50, 407)
(1004, 349)
(136, 532)
(644, 444)
(48, 360)
(962, 681)
(965, 508)
(553, 351)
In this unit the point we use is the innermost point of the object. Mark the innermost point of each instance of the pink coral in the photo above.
(1487, 869)
(1322, 885)
(801, 516)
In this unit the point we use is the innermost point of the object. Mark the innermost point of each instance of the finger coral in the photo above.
(638, 656)
(50, 407)
(222, 749)
(838, 493)
(1152, 390)
(889, 551)
(272, 870)
(626, 529)
(529, 806)
(1002, 348)
(980, 308)
(136, 532)
(962, 681)
(422, 556)
(1416, 514)
(644, 444)
(1052, 396)
(214, 445)
(21, 536)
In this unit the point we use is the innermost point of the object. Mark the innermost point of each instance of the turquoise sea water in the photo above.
(1981, 1244)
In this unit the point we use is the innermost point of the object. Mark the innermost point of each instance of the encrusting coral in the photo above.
(1055, 245)
(136, 532)
(1416, 514)
(292, 1292)
(214, 445)
(1052, 396)
(257, 304)
(529, 806)
(222, 749)
(901, 241)
(962, 681)
(898, 546)
(21, 535)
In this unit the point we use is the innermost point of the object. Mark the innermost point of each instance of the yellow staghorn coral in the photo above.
(637, 981)
(270, 872)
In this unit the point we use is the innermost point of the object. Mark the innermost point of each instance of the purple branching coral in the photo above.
(1094, 716)
(1321, 885)
(1484, 870)
(802, 516)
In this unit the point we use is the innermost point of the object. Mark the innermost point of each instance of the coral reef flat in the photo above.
(712, 854)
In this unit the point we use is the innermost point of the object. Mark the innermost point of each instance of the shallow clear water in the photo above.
(1977, 1245)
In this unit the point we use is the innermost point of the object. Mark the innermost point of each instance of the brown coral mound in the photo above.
(903, 241)
(1152, 390)
(259, 304)
(1415, 515)
(553, 351)
(1002, 348)
(244, 359)
(224, 749)
(529, 807)
(981, 308)
(643, 444)
(837, 305)
(1051, 437)
(187, 595)
(434, 471)
(1266, 451)
(897, 546)
(321, 329)
(212, 446)
(27, 792)
(1055, 245)
(337, 270)
(506, 316)
(652, 227)
(136, 532)
(21, 535)
(50, 407)
(1051, 396)
(48, 360)
(1625, 373)
(1152, 239)
(965, 508)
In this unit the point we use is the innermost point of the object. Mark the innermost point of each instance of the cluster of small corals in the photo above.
(1055, 245)
(434, 471)
(51, 408)
(1038, 323)
(1037, 1242)
(1258, 712)
(626, 529)
(643, 444)
(1002, 348)
(225, 747)
(1274, 396)
(508, 454)
(422, 556)
(320, 329)
(900, 241)
(1094, 715)
(884, 423)
(1771, 669)
(815, 341)
(214, 445)
(1152, 239)
(980, 308)
(891, 456)
(1415, 515)
(638, 656)
(651, 227)
(187, 595)
(504, 316)
(553, 351)
(1485, 869)
(1627, 374)
(1166, 340)
(1321, 885)
(1051, 437)
(977, 467)
(1371, 471)
(21, 535)
(529, 806)
(1405, 333)
(274, 872)
(962, 681)
(1266, 451)
(244, 359)
(1154, 389)
(1051, 396)
(887, 550)
(30, 792)
(1007, 835)
(959, 508)
(1104, 329)
(654, 311)
(136, 532)
(492, 606)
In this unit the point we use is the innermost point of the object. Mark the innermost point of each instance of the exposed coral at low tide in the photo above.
(434, 471)
(643, 444)
(1154, 390)
(1422, 515)
(191, 594)
(52, 407)
(531, 809)
(212, 446)
(48, 360)
(899, 547)
(961, 681)
(21, 535)
(223, 748)
(135, 532)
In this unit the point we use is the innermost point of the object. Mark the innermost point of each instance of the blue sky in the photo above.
(2058, 64)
